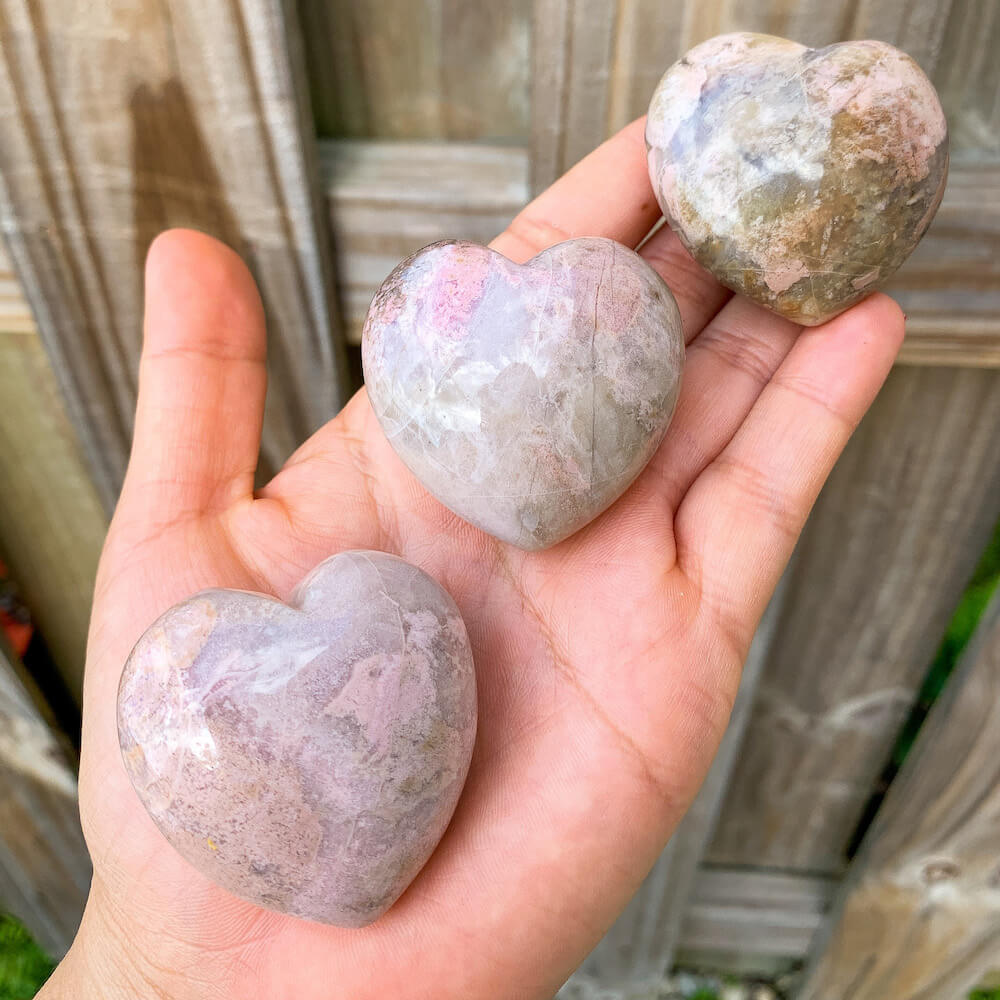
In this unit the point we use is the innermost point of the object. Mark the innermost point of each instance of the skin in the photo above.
(606, 665)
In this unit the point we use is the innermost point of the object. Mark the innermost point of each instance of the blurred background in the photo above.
(845, 846)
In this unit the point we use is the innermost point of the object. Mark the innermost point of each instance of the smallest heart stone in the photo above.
(305, 757)
(526, 398)
(800, 177)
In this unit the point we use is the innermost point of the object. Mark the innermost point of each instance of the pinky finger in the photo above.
(740, 520)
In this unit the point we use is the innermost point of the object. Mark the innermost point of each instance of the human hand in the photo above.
(607, 665)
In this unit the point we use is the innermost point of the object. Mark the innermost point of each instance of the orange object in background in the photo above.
(15, 622)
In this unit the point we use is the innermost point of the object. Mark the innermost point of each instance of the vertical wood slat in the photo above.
(968, 76)
(418, 69)
(875, 713)
(920, 916)
(550, 68)
(891, 543)
(52, 524)
(126, 118)
(638, 951)
(44, 865)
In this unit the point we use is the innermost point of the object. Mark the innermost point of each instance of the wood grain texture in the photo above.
(596, 64)
(738, 921)
(648, 38)
(892, 542)
(52, 524)
(967, 76)
(550, 67)
(916, 26)
(761, 913)
(44, 865)
(194, 118)
(920, 916)
(950, 287)
(640, 946)
(387, 200)
(418, 69)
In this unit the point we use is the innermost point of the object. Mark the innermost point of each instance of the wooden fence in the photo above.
(328, 139)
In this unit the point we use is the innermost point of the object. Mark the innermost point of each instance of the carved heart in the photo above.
(305, 757)
(800, 177)
(526, 398)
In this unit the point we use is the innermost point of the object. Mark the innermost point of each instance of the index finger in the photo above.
(606, 194)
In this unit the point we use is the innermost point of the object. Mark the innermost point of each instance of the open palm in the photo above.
(606, 665)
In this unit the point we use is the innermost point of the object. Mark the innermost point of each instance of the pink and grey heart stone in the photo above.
(306, 757)
(800, 177)
(526, 398)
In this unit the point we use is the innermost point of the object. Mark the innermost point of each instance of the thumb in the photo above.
(202, 379)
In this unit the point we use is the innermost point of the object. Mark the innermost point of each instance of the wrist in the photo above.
(84, 971)
(106, 962)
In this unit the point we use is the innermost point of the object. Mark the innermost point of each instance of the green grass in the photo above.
(985, 581)
(23, 965)
(963, 623)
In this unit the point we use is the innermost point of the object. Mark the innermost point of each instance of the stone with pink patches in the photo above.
(307, 757)
(800, 177)
(526, 398)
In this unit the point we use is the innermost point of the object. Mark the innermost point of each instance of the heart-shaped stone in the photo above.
(800, 177)
(306, 757)
(526, 398)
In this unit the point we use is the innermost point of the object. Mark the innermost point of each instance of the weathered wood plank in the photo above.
(882, 563)
(44, 865)
(916, 26)
(550, 68)
(387, 200)
(757, 913)
(968, 76)
(640, 947)
(418, 69)
(920, 917)
(950, 287)
(738, 920)
(52, 524)
(573, 45)
(195, 118)
(648, 39)
(811, 22)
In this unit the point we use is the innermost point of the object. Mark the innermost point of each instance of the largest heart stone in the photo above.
(306, 757)
(800, 177)
(526, 398)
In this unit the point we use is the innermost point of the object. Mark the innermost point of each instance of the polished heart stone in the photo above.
(306, 757)
(800, 177)
(526, 398)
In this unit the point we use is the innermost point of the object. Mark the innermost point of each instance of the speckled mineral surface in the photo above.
(800, 177)
(526, 398)
(306, 757)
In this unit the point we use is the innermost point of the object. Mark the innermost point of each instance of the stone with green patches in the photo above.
(800, 177)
